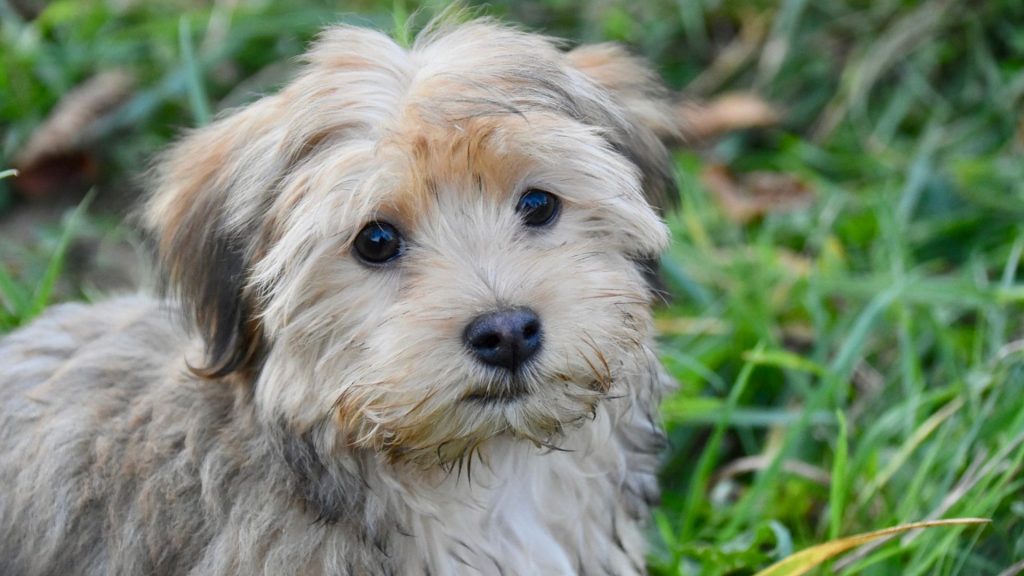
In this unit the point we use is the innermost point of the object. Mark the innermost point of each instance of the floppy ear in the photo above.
(649, 117)
(649, 122)
(207, 217)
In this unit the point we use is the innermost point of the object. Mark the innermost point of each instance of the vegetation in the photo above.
(850, 363)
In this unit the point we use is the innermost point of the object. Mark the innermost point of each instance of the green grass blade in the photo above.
(903, 454)
(837, 489)
(709, 456)
(401, 28)
(843, 364)
(198, 100)
(13, 297)
(56, 263)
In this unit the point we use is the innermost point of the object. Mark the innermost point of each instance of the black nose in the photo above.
(506, 339)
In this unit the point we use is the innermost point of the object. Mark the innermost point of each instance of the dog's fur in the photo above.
(290, 410)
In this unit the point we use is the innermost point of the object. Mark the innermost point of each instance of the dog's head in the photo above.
(428, 247)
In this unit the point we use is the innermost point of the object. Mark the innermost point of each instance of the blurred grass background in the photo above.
(849, 361)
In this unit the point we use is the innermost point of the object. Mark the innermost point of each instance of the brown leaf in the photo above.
(754, 194)
(806, 560)
(58, 174)
(762, 462)
(727, 113)
(58, 153)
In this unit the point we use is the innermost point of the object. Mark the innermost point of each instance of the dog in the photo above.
(407, 330)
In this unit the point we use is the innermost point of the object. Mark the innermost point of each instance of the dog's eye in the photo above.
(378, 242)
(538, 208)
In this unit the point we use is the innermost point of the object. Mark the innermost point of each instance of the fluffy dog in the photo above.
(408, 331)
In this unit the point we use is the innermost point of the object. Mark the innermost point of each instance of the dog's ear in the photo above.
(649, 118)
(207, 219)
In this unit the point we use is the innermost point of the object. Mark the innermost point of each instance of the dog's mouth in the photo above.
(505, 392)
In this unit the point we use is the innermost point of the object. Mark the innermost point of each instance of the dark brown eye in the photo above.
(378, 242)
(538, 208)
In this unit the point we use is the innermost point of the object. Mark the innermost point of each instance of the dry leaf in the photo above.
(727, 113)
(58, 153)
(28, 9)
(761, 462)
(805, 560)
(756, 193)
(680, 325)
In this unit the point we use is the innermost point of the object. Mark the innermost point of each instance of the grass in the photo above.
(847, 367)
(20, 301)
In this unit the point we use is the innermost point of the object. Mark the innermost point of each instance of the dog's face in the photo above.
(425, 248)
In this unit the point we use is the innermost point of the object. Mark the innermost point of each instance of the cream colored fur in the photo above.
(289, 409)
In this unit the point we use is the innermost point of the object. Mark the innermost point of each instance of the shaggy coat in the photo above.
(290, 409)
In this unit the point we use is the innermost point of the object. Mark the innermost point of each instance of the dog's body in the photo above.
(117, 462)
(323, 410)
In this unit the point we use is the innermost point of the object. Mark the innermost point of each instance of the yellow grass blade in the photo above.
(805, 560)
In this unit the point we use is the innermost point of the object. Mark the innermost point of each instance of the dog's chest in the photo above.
(525, 511)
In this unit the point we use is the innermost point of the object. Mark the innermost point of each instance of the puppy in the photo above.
(408, 331)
